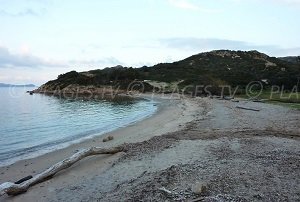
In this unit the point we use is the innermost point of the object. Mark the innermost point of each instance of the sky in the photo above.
(40, 39)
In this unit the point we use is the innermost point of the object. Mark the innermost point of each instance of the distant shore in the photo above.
(5, 85)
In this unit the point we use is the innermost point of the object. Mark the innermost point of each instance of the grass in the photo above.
(289, 105)
(287, 99)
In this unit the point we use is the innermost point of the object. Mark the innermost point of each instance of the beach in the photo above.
(150, 101)
(192, 148)
(164, 121)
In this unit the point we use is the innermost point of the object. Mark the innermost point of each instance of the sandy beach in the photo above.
(197, 149)
(171, 116)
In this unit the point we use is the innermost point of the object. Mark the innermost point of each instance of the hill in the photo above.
(292, 59)
(215, 68)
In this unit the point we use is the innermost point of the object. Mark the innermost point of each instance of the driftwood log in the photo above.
(13, 189)
(246, 108)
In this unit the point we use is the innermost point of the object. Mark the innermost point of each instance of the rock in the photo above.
(200, 189)
(258, 196)
(109, 138)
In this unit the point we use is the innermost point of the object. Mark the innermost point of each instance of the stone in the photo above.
(200, 189)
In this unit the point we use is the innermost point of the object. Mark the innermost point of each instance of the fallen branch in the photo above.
(165, 190)
(250, 109)
(23, 179)
(261, 101)
(198, 199)
(228, 98)
(13, 189)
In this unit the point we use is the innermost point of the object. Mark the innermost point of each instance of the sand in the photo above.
(191, 143)
(171, 116)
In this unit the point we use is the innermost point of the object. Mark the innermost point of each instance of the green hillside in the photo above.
(221, 67)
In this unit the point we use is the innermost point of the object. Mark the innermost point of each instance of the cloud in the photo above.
(287, 51)
(25, 8)
(201, 43)
(99, 63)
(27, 12)
(290, 2)
(9, 59)
(184, 4)
(208, 44)
(187, 5)
(282, 2)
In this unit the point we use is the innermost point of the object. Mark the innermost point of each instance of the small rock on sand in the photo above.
(200, 189)
(109, 138)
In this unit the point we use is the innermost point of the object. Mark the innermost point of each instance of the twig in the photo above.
(165, 190)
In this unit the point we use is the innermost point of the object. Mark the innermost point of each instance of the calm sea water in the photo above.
(31, 125)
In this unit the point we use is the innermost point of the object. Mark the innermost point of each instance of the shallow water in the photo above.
(31, 125)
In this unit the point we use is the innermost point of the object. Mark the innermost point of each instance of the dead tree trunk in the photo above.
(10, 188)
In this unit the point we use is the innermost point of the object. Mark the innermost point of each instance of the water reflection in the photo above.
(32, 123)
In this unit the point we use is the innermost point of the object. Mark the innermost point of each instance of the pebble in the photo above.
(199, 188)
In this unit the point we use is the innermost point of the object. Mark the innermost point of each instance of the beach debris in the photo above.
(13, 189)
(261, 101)
(228, 98)
(109, 138)
(163, 189)
(198, 199)
(246, 108)
(23, 179)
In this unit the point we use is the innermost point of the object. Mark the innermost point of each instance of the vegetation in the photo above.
(292, 59)
(274, 96)
(214, 69)
(283, 98)
(289, 105)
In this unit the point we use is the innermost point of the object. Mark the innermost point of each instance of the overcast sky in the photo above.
(40, 39)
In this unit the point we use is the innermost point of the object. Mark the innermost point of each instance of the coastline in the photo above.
(61, 144)
(191, 149)
(165, 120)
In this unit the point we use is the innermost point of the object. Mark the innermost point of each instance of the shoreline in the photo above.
(164, 120)
(66, 144)
(193, 148)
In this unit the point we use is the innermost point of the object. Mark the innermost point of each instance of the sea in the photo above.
(32, 125)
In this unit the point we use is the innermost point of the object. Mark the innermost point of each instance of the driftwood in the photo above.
(198, 199)
(13, 189)
(23, 179)
(228, 98)
(246, 108)
(165, 190)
